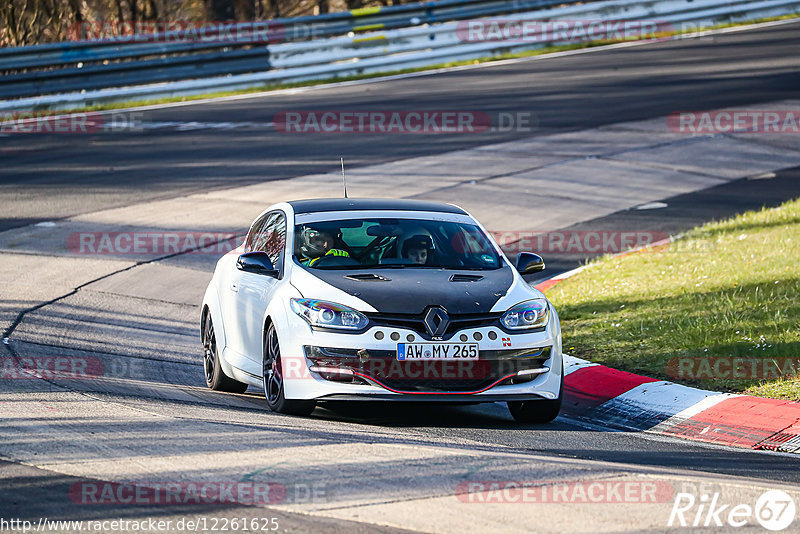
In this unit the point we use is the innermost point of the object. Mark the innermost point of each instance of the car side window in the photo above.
(254, 232)
(272, 238)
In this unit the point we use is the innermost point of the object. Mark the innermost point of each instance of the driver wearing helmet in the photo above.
(314, 244)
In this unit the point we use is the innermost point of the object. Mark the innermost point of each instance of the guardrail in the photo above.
(414, 47)
(87, 65)
(333, 45)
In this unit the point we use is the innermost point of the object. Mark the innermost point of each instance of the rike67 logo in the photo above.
(774, 510)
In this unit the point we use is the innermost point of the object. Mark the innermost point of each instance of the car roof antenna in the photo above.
(344, 180)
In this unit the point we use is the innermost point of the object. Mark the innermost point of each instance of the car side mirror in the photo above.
(256, 263)
(528, 263)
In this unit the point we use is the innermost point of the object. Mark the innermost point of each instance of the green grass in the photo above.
(726, 289)
(488, 59)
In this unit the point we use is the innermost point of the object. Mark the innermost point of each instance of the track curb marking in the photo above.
(634, 402)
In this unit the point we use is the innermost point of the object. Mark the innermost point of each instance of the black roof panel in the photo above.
(359, 204)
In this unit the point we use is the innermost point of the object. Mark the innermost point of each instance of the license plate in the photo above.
(437, 351)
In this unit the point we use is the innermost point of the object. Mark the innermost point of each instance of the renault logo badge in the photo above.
(436, 321)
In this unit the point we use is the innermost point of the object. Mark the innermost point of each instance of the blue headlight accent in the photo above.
(329, 314)
(527, 315)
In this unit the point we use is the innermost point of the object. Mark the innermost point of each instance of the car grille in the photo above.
(415, 322)
(429, 376)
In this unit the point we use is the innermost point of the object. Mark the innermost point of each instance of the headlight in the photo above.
(329, 314)
(529, 314)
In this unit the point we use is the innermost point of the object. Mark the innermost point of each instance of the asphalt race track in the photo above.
(381, 468)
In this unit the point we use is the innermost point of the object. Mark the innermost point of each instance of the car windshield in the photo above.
(394, 243)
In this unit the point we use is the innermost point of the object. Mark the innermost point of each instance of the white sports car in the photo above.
(374, 299)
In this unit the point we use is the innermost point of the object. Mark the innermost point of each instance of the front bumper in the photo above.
(328, 365)
(382, 368)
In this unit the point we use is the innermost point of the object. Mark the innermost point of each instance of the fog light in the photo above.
(527, 372)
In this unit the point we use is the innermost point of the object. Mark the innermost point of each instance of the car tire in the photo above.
(273, 379)
(216, 378)
(537, 411)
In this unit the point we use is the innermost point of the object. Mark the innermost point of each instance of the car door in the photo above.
(255, 290)
(230, 278)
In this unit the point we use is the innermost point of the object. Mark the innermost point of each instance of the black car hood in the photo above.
(412, 290)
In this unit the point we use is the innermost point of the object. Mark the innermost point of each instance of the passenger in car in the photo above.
(418, 249)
